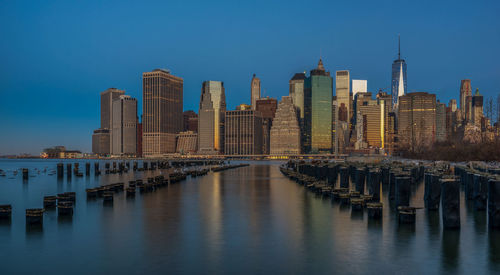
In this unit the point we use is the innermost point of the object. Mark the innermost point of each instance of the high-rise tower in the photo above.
(124, 126)
(318, 93)
(162, 111)
(342, 91)
(398, 81)
(211, 118)
(465, 99)
(255, 91)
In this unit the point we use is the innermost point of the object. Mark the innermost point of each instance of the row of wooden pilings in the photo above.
(119, 167)
(65, 202)
(442, 187)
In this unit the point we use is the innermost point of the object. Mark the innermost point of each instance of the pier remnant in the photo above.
(450, 203)
(494, 203)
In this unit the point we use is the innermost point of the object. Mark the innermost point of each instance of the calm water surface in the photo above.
(250, 220)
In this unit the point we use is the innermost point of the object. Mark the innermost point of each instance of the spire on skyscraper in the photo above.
(320, 65)
(399, 47)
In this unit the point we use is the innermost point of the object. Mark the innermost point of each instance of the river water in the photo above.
(249, 220)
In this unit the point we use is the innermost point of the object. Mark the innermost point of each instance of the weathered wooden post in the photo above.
(96, 168)
(480, 192)
(494, 203)
(402, 190)
(450, 203)
(432, 194)
(374, 184)
(68, 170)
(344, 177)
(374, 210)
(60, 170)
(360, 180)
(25, 173)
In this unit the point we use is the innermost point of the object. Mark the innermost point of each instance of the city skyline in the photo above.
(63, 75)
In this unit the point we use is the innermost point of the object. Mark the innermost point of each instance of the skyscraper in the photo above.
(124, 123)
(342, 91)
(417, 120)
(107, 98)
(267, 107)
(243, 132)
(318, 90)
(453, 105)
(285, 131)
(440, 121)
(162, 111)
(211, 118)
(465, 93)
(103, 135)
(398, 81)
(297, 93)
(477, 108)
(372, 114)
(359, 86)
(190, 119)
(255, 91)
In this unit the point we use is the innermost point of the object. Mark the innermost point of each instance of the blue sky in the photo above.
(57, 56)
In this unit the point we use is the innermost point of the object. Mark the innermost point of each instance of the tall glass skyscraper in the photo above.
(398, 81)
(211, 118)
(318, 93)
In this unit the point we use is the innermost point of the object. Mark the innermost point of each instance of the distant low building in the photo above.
(60, 152)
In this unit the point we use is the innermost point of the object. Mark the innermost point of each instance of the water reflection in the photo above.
(450, 250)
(247, 220)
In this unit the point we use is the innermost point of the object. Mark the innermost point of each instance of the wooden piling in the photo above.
(5, 211)
(402, 191)
(34, 216)
(480, 192)
(450, 203)
(374, 210)
(494, 203)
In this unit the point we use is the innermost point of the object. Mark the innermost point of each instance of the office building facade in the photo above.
(359, 86)
(243, 132)
(254, 91)
(465, 98)
(211, 118)
(398, 79)
(267, 107)
(318, 90)
(417, 120)
(285, 131)
(343, 94)
(162, 111)
(124, 123)
(187, 142)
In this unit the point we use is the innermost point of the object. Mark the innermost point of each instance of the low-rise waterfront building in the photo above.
(187, 142)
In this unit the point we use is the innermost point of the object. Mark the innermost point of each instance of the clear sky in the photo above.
(57, 56)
